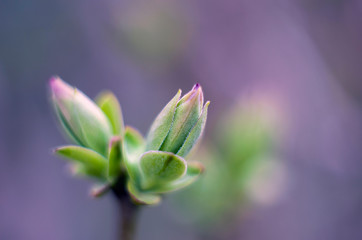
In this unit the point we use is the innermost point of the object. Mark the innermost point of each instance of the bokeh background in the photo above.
(293, 65)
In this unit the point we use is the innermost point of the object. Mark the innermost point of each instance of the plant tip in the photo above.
(197, 85)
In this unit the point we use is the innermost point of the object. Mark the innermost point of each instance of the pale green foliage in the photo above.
(90, 160)
(140, 197)
(179, 126)
(162, 124)
(187, 113)
(194, 169)
(114, 158)
(78, 114)
(112, 109)
(134, 146)
(108, 149)
(195, 133)
(161, 167)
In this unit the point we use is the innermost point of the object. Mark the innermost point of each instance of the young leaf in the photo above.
(134, 145)
(134, 141)
(194, 170)
(68, 130)
(109, 104)
(186, 116)
(114, 158)
(194, 134)
(142, 198)
(80, 170)
(91, 160)
(161, 167)
(162, 124)
(87, 122)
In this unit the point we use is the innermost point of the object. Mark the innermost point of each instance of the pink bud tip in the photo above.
(53, 82)
(114, 140)
(59, 87)
(196, 86)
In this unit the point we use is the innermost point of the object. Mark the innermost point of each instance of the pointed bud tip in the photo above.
(58, 150)
(193, 94)
(54, 78)
(99, 191)
(197, 88)
(198, 165)
(54, 82)
(114, 140)
(59, 87)
(105, 95)
(55, 150)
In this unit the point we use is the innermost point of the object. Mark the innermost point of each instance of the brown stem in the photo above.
(128, 210)
(129, 214)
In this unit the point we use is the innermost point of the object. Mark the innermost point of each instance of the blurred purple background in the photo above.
(307, 54)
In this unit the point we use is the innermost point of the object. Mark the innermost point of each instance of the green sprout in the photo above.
(138, 171)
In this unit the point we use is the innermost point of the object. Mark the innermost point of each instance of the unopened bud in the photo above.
(81, 118)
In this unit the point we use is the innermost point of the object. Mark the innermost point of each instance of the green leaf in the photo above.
(195, 133)
(140, 197)
(134, 141)
(91, 161)
(115, 156)
(95, 129)
(81, 170)
(81, 116)
(109, 104)
(134, 146)
(68, 130)
(161, 167)
(162, 124)
(194, 170)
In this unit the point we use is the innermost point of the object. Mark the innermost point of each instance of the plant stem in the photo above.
(129, 214)
(128, 211)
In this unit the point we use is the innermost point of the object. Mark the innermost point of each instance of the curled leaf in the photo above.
(161, 167)
(109, 104)
(89, 160)
(194, 170)
(141, 198)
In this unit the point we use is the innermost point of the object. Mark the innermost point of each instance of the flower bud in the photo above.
(184, 119)
(81, 118)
